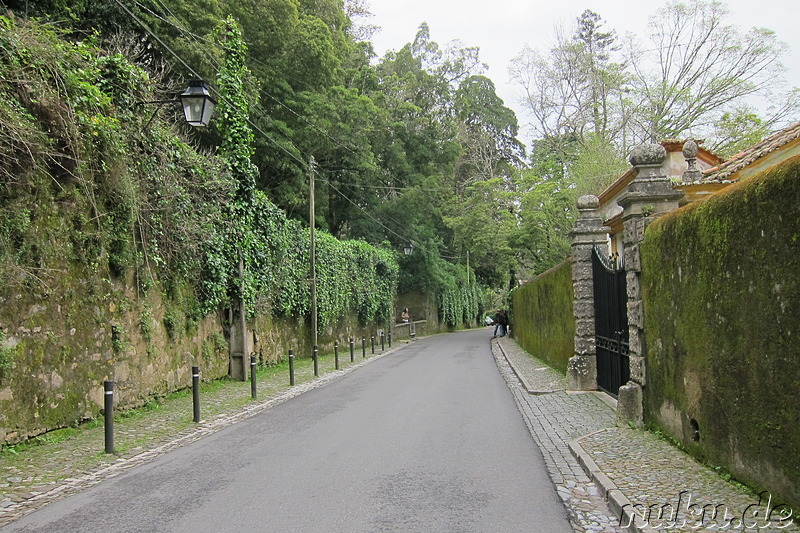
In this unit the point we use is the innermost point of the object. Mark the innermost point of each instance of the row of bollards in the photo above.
(108, 385)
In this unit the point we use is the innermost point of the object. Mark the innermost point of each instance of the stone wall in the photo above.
(721, 291)
(542, 316)
(62, 344)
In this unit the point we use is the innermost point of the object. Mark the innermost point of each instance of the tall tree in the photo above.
(546, 196)
(695, 68)
(576, 89)
(604, 77)
(488, 133)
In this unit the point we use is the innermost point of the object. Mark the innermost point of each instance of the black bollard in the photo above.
(363, 347)
(291, 368)
(373, 344)
(196, 393)
(316, 364)
(351, 349)
(390, 339)
(253, 375)
(336, 354)
(383, 346)
(108, 411)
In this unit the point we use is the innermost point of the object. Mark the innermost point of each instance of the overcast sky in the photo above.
(502, 27)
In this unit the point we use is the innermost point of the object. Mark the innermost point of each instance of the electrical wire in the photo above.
(198, 38)
(221, 97)
(381, 224)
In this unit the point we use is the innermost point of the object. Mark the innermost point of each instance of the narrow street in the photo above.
(428, 438)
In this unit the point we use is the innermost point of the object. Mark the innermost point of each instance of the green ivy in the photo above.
(460, 301)
(124, 197)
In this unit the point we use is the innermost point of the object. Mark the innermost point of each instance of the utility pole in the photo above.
(313, 252)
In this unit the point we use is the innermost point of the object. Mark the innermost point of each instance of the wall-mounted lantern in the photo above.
(198, 104)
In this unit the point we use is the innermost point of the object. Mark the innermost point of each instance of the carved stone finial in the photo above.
(690, 149)
(587, 202)
(647, 155)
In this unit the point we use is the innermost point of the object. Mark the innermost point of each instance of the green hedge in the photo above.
(542, 319)
(721, 285)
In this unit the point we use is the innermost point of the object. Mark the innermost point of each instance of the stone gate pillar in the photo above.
(649, 195)
(589, 231)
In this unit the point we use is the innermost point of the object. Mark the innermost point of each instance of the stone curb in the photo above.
(521, 375)
(619, 504)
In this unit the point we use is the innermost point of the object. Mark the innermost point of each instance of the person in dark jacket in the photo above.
(500, 322)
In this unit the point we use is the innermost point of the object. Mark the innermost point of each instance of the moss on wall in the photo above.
(542, 319)
(63, 344)
(721, 286)
(83, 330)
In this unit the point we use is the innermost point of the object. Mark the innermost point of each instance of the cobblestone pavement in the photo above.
(554, 418)
(600, 469)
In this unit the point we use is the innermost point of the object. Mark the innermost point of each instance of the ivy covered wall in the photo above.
(721, 286)
(119, 244)
(542, 319)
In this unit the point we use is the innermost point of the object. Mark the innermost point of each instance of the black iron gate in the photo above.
(611, 322)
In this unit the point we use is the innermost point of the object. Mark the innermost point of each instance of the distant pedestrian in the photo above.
(405, 316)
(500, 322)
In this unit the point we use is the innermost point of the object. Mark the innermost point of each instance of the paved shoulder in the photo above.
(617, 478)
(554, 418)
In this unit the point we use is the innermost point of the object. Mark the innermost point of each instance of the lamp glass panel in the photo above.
(193, 109)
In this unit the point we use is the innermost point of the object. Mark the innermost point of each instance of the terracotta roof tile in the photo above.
(720, 173)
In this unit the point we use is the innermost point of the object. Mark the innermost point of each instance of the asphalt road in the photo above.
(427, 438)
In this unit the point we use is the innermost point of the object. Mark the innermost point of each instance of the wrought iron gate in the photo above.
(611, 322)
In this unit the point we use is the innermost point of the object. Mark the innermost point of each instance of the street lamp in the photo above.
(198, 104)
(408, 248)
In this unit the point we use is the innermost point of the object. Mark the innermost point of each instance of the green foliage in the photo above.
(597, 164)
(6, 357)
(737, 130)
(117, 342)
(233, 113)
(460, 303)
(147, 200)
(146, 323)
(483, 220)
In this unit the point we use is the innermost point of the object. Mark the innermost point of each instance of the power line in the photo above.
(189, 34)
(343, 195)
(381, 224)
(300, 161)
(156, 37)
(214, 90)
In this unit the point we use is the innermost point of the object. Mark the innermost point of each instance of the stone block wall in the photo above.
(61, 346)
(721, 290)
